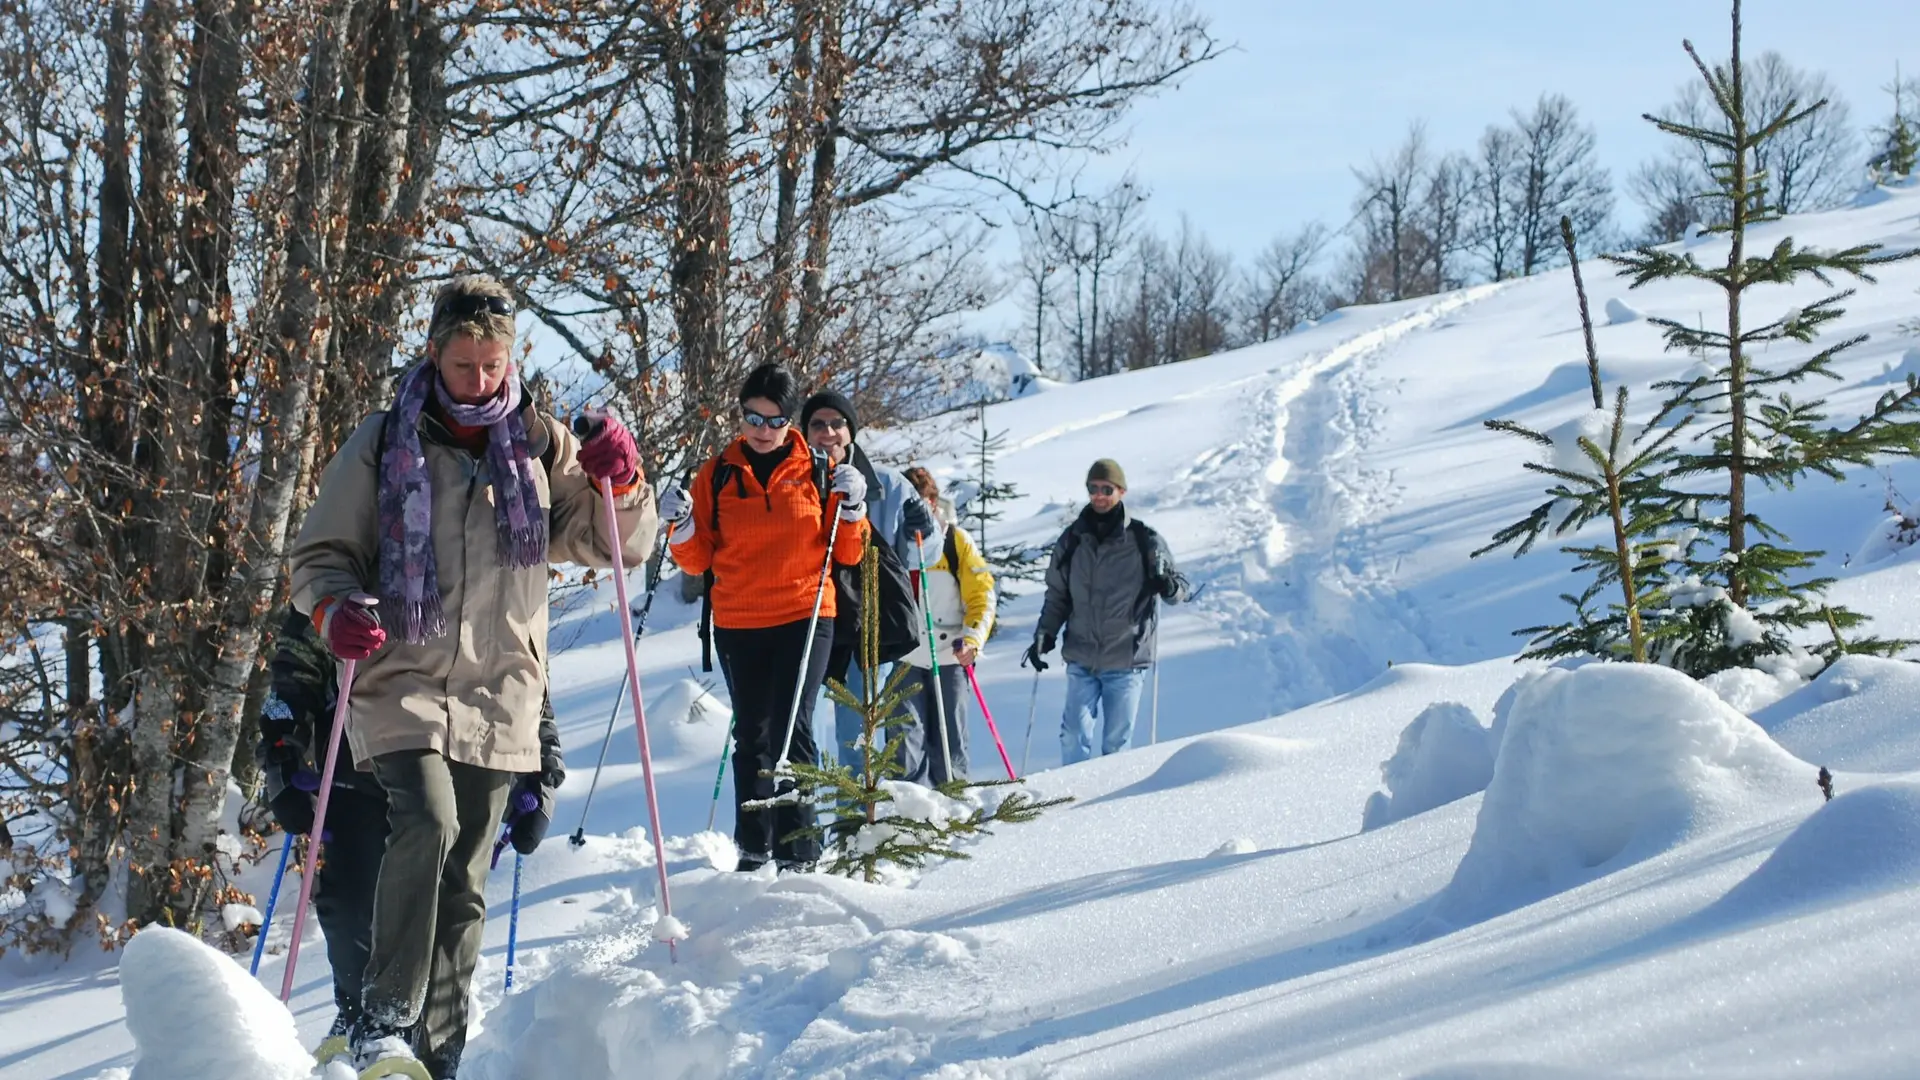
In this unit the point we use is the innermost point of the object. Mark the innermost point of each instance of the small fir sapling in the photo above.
(1624, 482)
(874, 818)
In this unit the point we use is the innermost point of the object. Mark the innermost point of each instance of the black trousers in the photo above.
(343, 890)
(761, 667)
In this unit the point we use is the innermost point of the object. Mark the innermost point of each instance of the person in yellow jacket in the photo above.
(958, 594)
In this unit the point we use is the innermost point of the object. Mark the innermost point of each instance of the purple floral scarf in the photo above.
(409, 581)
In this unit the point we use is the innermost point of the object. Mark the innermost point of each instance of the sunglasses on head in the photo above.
(473, 306)
(755, 419)
(1102, 489)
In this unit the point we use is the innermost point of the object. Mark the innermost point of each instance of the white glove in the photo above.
(852, 511)
(676, 505)
(851, 486)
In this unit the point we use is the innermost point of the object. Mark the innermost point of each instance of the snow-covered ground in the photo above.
(1650, 885)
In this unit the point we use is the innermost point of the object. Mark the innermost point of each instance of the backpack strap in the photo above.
(950, 550)
(723, 471)
(1144, 538)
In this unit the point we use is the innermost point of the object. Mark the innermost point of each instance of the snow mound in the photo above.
(1858, 715)
(1445, 754)
(785, 978)
(1750, 690)
(685, 719)
(1594, 425)
(1604, 766)
(1213, 757)
(196, 1015)
(1862, 843)
(1619, 311)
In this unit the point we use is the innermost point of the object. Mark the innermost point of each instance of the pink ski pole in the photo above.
(991, 729)
(319, 822)
(585, 427)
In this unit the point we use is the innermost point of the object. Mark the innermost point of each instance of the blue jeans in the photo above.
(1114, 695)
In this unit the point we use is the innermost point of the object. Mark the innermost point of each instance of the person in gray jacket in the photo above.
(1105, 582)
(896, 514)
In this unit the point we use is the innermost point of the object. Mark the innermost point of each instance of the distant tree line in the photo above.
(1103, 292)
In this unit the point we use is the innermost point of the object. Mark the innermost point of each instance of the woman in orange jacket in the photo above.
(758, 517)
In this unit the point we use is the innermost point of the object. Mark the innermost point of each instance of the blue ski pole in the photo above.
(525, 802)
(273, 897)
(513, 919)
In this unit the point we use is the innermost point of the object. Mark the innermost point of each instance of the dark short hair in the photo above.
(775, 383)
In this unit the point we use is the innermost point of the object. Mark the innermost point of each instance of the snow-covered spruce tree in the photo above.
(875, 818)
(1744, 590)
(1625, 482)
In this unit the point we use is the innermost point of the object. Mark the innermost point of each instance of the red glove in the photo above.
(610, 454)
(349, 627)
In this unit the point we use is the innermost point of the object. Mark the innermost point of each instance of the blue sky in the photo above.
(1264, 138)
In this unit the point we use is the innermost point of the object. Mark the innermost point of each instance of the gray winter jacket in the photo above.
(1107, 594)
(896, 512)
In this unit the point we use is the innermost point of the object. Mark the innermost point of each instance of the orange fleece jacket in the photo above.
(767, 553)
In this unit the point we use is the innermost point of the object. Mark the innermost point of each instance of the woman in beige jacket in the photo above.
(425, 559)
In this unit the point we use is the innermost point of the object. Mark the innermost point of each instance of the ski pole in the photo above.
(933, 656)
(579, 837)
(513, 918)
(714, 809)
(1153, 736)
(585, 427)
(806, 648)
(1033, 703)
(319, 822)
(273, 897)
(991, 729)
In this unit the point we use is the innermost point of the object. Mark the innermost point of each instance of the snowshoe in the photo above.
(333, 1046)
(381, 1052)
(396, 1067)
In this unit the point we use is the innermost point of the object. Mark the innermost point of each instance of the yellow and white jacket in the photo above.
(962, 603)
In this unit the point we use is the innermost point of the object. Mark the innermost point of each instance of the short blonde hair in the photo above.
(470, 306)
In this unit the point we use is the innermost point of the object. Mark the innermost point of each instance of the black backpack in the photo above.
(900, 623)
(725, 472)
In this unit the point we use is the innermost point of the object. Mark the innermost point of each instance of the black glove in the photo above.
(1173, 587)
(553, 765)
(529, 813)
(293, 804)
(1042, 645)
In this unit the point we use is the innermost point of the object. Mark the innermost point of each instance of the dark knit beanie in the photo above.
(835, 400)
(1108, 470)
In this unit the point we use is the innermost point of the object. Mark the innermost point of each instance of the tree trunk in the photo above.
(799, 127)
(823, 186)
(301, 331)
(1736, 358)
(700, 246)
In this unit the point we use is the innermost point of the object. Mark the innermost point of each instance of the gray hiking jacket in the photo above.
(1107, 593)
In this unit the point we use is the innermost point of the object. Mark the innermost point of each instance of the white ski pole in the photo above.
(1033, 703)
(1154, 728)
(806, 648)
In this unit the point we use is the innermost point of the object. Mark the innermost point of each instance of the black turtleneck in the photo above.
(764, 464)
(1104, 526)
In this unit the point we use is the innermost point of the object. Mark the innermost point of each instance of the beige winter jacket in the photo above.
(473, 694)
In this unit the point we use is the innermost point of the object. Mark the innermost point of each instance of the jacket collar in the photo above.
(1084, 524)
(736, 452)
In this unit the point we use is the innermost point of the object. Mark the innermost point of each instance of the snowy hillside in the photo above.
(1650, 884)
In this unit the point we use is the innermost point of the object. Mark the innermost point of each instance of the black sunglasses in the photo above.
(1102, 489)
(473, 306)
(754, 419)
